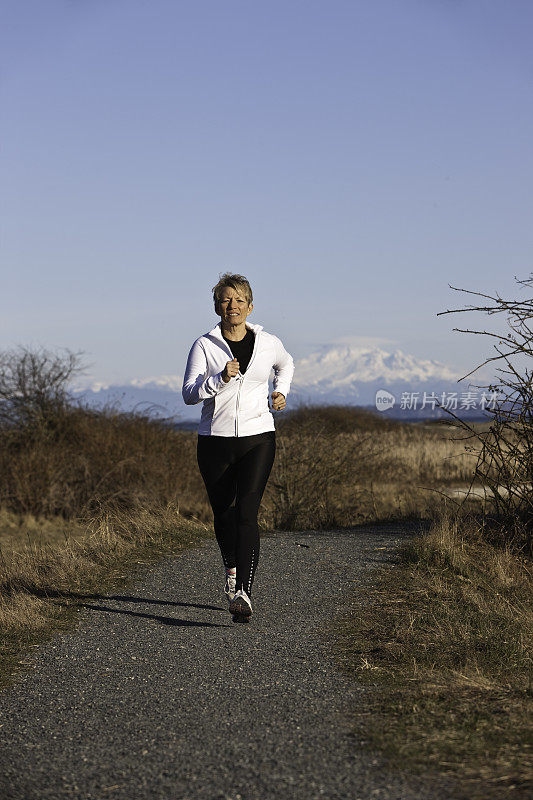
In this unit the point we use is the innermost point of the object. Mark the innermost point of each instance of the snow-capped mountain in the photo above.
(395, 382)
(348, 374)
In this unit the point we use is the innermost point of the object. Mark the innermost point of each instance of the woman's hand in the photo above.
(278, 401)
(230, 370)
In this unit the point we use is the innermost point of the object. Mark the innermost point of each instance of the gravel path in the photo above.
(158, 694)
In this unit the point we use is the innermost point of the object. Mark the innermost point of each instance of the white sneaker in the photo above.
(241, 604)
(229, 588)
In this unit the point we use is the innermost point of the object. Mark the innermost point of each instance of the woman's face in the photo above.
(233, 307)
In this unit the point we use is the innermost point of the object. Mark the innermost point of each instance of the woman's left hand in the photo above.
(278, 401)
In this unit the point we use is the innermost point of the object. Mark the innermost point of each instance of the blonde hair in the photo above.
(237, 282)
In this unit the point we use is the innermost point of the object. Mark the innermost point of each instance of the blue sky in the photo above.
(351, 159)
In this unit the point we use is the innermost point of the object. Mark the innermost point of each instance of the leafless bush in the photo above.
(322, 453)
(98, 459)
(59, 457)
(34, 387)
(505, 458)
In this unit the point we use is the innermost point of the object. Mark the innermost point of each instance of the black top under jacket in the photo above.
(243, 349)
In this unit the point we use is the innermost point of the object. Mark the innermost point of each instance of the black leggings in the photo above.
(235, 471)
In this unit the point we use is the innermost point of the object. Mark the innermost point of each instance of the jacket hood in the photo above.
(217, 330)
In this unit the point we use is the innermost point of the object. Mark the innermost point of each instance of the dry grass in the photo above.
(339, 467)
(21, 531)
(88, 460)
(446, 640)
(334, 466)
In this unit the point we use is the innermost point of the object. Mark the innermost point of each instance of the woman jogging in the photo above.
(228, 369)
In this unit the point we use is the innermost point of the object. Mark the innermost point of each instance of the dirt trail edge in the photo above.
(158, 694)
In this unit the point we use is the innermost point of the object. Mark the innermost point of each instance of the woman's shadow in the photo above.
(80, 599)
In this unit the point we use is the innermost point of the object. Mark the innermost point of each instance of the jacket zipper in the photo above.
(240, 385)
(254, 351)
(237, 410)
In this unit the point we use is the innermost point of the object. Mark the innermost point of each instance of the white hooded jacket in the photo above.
(240, 406)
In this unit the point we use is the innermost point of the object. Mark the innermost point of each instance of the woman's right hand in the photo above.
(230, 370)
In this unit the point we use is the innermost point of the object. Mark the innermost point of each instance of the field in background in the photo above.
(334, 466)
